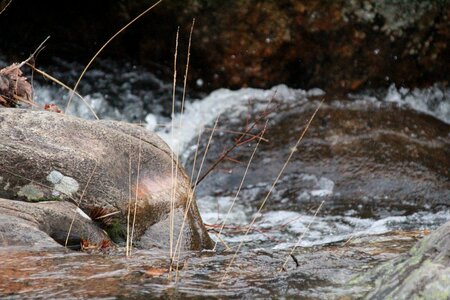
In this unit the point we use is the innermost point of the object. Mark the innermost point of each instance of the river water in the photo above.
(369, 179)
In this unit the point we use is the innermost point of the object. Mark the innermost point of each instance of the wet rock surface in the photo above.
(422, 273)
(374, 159)
(322, 272)
(104, 167)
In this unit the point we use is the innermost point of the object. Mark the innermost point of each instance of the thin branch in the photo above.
(191, 196)
(181, 116)
(239, 141)
(39, 48)
(241, 184)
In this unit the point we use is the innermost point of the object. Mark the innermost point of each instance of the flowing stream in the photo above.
(375, 202)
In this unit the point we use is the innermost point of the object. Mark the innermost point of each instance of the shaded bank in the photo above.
(327, 44)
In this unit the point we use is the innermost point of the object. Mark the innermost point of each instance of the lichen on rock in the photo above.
(64, 186)
(31, 192)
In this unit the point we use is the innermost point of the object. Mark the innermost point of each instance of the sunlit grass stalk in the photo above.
(293, 150)
(127, 247)
(174, 157)
(200, 133)
(5, 7)
(79, 202)
(177, 153)
(103, 47)
(191, 195)
(136, 192)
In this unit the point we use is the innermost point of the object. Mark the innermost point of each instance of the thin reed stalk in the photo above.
(48, 76)
(181, 116)
(301, 237)
(191, 196)
(79, 202)
(5, 7)
(136, 192)
(127, 247)
(293, 150)
(174, 157)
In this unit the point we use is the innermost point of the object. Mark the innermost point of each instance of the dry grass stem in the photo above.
(174, 158)
(181, 115)
(199, 135)
(127, 247)
(46, 75)
(108, 215)
(301, 237)
(5, 6)
(293, 150)
(137, 193)
(79, 202)
(191, 196)
(103, 47)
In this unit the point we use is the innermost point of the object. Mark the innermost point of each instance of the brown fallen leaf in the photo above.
(14, 87)
(52, 108)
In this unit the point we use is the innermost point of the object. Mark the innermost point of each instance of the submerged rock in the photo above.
(423, 273)
(113, 171)
(375, 159)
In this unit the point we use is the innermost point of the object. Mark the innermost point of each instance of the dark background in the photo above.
(337, 45)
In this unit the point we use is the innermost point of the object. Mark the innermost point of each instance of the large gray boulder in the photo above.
(423, 273)
(101, 166)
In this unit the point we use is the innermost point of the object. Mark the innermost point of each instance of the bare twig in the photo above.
(127, 248)
(39, 48)
(238, 143)
(241, 184)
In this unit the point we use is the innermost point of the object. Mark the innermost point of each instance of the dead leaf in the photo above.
(154, 272)
(14, 87)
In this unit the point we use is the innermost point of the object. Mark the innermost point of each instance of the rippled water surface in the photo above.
(359, 224)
